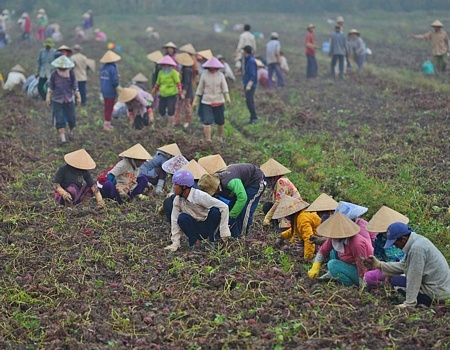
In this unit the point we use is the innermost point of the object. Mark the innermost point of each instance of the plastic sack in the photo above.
(428, 68)
(325, 46)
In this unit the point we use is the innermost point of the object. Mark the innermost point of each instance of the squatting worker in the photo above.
(426, 271)
(195, 213)
(243, 184)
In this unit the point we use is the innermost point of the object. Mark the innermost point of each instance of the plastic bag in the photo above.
(428, 68)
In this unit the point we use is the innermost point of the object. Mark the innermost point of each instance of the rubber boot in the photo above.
(159, 186)
(207, 132)
(62, 135)
(220, 133)
(71, 138)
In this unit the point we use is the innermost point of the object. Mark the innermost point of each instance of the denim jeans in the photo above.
(82, 89)
(311, 66)
(40, 87)
(275, 68)
(334, 60)
(64, 109)
(400, 282)
(196, 230)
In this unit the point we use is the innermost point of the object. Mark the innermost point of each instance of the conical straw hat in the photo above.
(63, 62)
(383, 218)
(171, 149)
(136, 152)
(127, 94)
(350, 210)
(338, 226)
(206, 54)
(134, 87)
(213, 63)
(212, 163)
(196, 169)
(259, 63)
(288, 206)
(140, 78)
(323, 203)
(167, 60)
(155, 56)
(18, 68)
(110, 57)
(184, 59)
(80, 159)
(437, 23)
(170, 44)
(174, 164)
(273, 168)
(189, 48)
(64, 47)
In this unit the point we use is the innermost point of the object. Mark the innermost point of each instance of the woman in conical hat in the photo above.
(187, 91)
(61, 93)
(15, 77)
(304, 224)
(170, 49)
(277, 181)
(213, 90)
(139, 106)
(73, 182)
(153, 170)
(124, 180)
(109, 85)
(345, 249)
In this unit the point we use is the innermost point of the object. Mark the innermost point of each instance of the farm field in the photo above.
(83, 278)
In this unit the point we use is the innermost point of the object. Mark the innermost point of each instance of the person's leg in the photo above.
(69, 109)
(361, 60)
(333, 65)
(168, 206)
(309, 66)
(315, 67)
(219, 120)
(81, 194)
(40, 87)
(399, 284)
(374, 277)
(207, 229)
(187, 104)
(250, 102)
(58, 113)
(271, 69)
(190, 227)
(345, 273)
(171, 108)
(341, 66)
(444, 63)
(142, 183)
(82, 89)
(108, 110)
(162, 106)
(208, 118)
(178, 111)
(280, 76)
(108, 190)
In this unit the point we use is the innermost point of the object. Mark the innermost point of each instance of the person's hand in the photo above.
(78, 98)
(48, 99)
(183, 94)
(371, 262)
(36, 75)
(67, 197)
(118, 89)
(249, 85)
(318, 240)
(153, 92)
(227, 98)
(171, 248)
(195, 101)
(314, 271)
(362, 283)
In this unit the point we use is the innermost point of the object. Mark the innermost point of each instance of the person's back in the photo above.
(80, 68)
(338, 44)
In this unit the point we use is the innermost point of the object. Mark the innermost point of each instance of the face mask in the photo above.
(166, 70)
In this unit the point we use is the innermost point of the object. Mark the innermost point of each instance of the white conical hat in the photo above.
(140, 78)
(323, 203)
(110, 57)
(212, 163)
(170, 44)
(136, 152)
(18, 68)
(174, 164)
(383, 218)
(273, 168)
(196, 169)
(437, 23)
(63, 62)
(288, 206)
(80, 159)
(338, 226)
(171, 149)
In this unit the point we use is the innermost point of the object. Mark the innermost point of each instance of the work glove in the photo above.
(266, 221)
(122, 193)
(371, 262)
(48, 99)
(64, 194)
(314, 271)
(227, 98)
(98, 198)
(78, 98)
(183, 94)
(249, 85)
(171, 248)
(195, 101)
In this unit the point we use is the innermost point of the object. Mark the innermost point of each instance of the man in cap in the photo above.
(250, 80)
(439, 45)
(44, 69)
(245, 39)
(338, 51)
(310, 51)
(273, 58)
(426, 271)
(195, 213)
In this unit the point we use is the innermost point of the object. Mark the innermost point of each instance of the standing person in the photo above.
(338, 51)
(310, 51)
(356, 48)
(25, 25)
(227, 71)
(273, 59)
(423, 275)
(45, 58)
(124, 181)
(74, 183)
(213, 90)
(170, 49)
(81, 67)
(195, 213)
(243, 184)
(187, 90)
(109, 85)
(250, 80)
(42, 22)
(62, 87)
(439, 45)
(189, 49)
(168, 84)
(245, 39)
(139, 106)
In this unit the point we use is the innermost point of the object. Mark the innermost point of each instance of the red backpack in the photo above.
(103, 176)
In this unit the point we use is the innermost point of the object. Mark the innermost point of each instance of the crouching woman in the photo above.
(195, 213)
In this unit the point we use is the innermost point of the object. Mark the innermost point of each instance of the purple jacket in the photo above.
(63, 88)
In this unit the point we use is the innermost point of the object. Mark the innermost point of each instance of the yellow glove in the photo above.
(99, 199)
(314, 271)
(64, 194)
(249, 85)
(266, 221)
(48, 98)
(227, 98)
(195, 101)
(78, 98)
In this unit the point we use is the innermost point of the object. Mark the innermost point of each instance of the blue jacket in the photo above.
(109, 80)
(251, 71)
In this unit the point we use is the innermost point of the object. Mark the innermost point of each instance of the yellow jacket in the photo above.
(305, 225)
